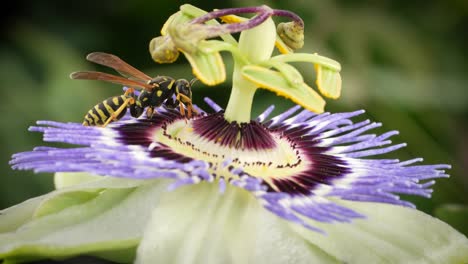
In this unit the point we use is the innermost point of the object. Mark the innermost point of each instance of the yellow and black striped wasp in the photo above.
(154, 91)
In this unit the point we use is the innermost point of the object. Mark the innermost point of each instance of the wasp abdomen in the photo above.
(99, 114)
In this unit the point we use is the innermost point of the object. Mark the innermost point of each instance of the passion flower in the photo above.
(221, 187)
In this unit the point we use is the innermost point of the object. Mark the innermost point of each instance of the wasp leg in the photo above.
(150, 112)
(187, 101)
(181, 109)
(181, 105)
(191, 109)
(117, 112)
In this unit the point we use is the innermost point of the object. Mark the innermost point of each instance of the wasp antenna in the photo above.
(194, 80)
(73, 75)
(80, 75)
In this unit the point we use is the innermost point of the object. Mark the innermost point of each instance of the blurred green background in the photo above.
(405, 62)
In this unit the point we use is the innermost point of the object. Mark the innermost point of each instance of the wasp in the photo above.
(154, 91)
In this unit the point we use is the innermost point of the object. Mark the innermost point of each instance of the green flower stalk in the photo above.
(223, 187)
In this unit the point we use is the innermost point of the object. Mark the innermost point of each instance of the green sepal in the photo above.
(276, 82)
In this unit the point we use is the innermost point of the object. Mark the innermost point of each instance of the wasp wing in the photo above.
(93, 75)
(117, 64)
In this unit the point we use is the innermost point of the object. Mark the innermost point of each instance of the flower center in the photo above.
(260, 152)
(285, 158)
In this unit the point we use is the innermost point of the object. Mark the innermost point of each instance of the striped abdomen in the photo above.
(99, 114)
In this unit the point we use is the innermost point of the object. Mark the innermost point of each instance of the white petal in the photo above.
(390, 234)
(197, 224)
(113, 220)
(13, 217)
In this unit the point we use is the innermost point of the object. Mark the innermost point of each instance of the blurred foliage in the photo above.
(455, 215)
(405, 62)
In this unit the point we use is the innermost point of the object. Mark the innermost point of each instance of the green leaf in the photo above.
(276, 82)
